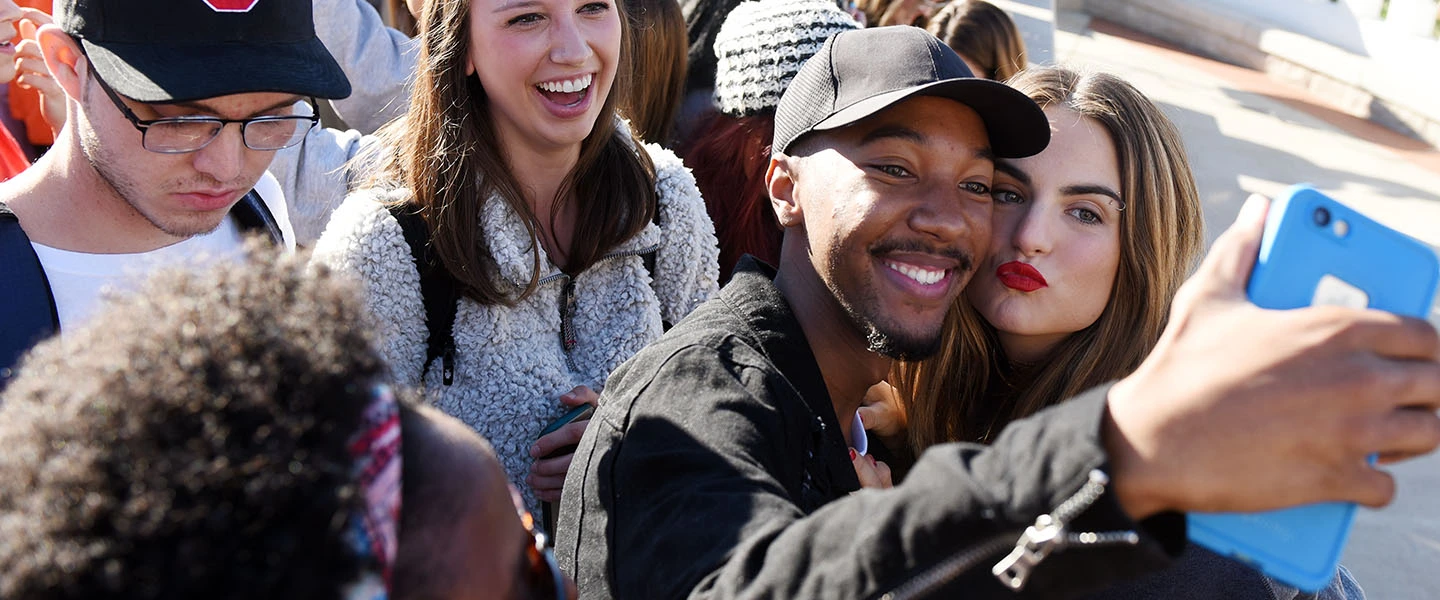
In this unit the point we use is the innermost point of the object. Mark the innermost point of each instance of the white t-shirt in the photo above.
(79, 281)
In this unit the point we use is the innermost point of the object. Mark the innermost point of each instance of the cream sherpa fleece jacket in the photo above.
(510, 365)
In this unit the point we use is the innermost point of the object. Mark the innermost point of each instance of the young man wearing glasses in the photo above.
(176, 108)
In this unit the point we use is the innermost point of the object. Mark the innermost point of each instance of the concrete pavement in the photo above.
(1246, 133)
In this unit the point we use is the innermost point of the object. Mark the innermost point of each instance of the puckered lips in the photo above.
(1020, 276)
(569, 96)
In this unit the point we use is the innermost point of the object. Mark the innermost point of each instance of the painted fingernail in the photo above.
(872, 459)
(852, 454)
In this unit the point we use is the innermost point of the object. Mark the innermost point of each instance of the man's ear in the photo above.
(63, 58)
(780, 182)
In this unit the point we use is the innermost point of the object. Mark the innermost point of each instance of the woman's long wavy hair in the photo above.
(658, 48)
(968, 391)
(982, 33)
(446, 151)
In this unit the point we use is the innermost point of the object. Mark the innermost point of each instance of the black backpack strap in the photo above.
(253, 216)
(437, 289)
(649, 259)
(29, 305)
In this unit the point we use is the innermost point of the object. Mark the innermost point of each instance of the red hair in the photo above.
(729, 156)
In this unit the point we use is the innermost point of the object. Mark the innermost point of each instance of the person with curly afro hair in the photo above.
(220, 435)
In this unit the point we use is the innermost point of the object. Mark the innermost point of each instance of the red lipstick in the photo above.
(1020, 276)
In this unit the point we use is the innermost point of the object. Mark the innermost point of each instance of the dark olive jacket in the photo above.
(715, 468)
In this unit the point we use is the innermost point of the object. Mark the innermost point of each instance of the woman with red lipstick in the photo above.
(568, 242)
(1090, 240)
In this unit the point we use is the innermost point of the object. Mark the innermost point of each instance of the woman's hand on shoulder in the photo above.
(884, 415)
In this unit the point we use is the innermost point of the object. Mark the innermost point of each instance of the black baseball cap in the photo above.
(859, 73)
(181, 50)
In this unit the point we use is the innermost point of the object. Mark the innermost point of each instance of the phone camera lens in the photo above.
(1322, 216)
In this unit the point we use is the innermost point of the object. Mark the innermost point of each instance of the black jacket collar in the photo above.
(771, 326)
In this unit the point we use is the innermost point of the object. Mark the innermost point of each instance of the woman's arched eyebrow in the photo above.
(1009, 168)
(516, 4)
(1092, 189)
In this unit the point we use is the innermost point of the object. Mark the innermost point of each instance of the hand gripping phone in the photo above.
(1316, 251)
(547, 510)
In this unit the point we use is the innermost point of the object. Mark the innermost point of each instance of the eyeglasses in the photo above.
(179, 135)
(541, 574)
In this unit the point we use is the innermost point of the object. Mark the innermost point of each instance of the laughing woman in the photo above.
(1090, 240)
(567, 242)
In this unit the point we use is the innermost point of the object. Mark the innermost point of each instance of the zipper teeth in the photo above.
(1104, 538)
(636, 252)
(948, 570)
(567, 299)
(1082, 499)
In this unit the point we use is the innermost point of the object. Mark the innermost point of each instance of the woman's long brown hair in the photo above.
(968, 391)
(446, 152)
(982, 33)
(658, 52)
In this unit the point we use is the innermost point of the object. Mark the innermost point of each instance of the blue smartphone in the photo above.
(1317, 251)
(579, 413)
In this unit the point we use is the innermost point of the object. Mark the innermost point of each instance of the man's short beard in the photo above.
(888, 344)
(95, 153)
(893, 346)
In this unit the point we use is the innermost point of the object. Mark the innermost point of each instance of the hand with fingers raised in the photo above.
(1242, 409)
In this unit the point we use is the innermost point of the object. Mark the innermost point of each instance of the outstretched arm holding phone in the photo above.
(1238, 408)
(1243, 409)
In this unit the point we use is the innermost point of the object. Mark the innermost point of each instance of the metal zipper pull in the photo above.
(1035, 544)
(568, 337)
(447, 364)
(1048, 533)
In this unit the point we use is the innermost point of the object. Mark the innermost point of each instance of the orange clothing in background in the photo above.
(25, 104)
(12, 158)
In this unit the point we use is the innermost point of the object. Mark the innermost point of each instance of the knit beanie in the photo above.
(762, 45)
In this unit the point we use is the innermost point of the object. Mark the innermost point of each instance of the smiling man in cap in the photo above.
(723, 460)
(176, 108)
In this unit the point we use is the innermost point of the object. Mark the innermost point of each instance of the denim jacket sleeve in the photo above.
(684, 491)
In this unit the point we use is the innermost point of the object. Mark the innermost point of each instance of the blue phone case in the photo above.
(1300, 260)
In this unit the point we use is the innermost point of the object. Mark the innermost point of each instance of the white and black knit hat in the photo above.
(762, 45)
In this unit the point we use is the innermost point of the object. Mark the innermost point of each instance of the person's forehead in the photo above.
(237, 105)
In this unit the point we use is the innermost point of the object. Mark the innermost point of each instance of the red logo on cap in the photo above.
(231, 5)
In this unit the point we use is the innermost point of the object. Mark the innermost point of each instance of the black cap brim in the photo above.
(181, 73)
(1016, 126)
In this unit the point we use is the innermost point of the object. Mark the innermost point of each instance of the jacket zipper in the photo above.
(1035, 544)
(568, 339)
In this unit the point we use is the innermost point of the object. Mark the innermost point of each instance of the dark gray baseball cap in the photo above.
(859, 73)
